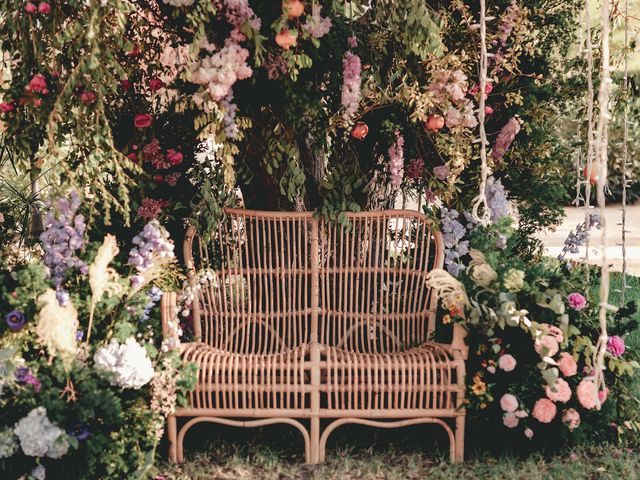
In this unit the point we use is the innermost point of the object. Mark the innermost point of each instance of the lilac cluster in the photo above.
(229, 116)
(455, 248)
(151, 244)
(350, 98)
(578, 238)
(24, 377)
(496, 199)
(63, 236)
(508, 21)
(153, 296)
(505, 138)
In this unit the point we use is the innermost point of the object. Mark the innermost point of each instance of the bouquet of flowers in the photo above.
(86, 379)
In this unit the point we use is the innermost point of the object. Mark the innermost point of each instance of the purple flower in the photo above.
(577, 301)
(615, 346)
(441, 172)
(21, 374)
(79, 431)
(505, 138)
(15, 320)
(24, 377)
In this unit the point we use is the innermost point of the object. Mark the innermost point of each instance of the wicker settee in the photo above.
(300, 321)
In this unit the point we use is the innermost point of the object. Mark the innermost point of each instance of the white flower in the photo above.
(127, 362)
(8, 444)
(39, 473)
(514, 280)
(39, 437)
(57, 326)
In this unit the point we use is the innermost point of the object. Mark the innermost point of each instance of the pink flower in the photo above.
(615, 346)
(507, 362)
(509, 403)
(44, 8)
(441, 172)
(150, 208)
(528, 433)
(30, 8)
(318, 26)
(544, 410)
(174, 157)
(586, 393)
(396, 160)
(577, 301)
(38, 84)
(6, 107)
(156, 84)
(505, 139)
(415, 169)
(510, 420)
(561, 391)
(352, 41)
(567, 365)
(571, 418)
(549, 343)
(87, 97)
(351, 80)
(556, 333)
(142, 120)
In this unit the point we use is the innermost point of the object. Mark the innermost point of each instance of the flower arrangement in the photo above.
(86, 380)
(532, 329)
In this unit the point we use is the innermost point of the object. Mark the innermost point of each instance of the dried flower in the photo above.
(57, 326)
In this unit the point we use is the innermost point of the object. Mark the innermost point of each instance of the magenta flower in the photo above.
(615, 346)
(577, 301)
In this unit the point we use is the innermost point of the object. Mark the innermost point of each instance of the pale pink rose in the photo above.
(528, 433)
(556, 333)
(571, 418)
(586, 393)
(567, 365)
(550, 343)
(544, 410)
(577, 301)
(603, 394)
(509, 403)
(507, 362)
(510, 420)
(561, 391)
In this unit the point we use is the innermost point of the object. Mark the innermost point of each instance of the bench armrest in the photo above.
(458, 343)
(169, 318)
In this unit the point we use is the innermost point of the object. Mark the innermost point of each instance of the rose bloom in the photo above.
(544, 410)
(571, 418)
(615, 346)
(510, 420)
(37, 84)
(142, 120)
(549, 342)
(528, 433)
(561, 391)
(567, 365)
(577, 301)
(509, 403)
(507, 362)
(586, 393)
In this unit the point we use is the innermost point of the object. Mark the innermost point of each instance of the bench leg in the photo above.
(459, 447)
(172, 433)
(315, 442)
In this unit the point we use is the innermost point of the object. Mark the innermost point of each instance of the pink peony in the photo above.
(510, 420)
(507, 362)
(615, 346)
(567, 365)
(44, 8)
(577, 301)
(561, 391)
(586, 393)
(549, 342)
(38, 84)
(544, 410)
(571, 418)
(142, 120)
(509, 403)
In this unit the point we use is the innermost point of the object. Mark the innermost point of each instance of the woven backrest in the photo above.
(271, 281)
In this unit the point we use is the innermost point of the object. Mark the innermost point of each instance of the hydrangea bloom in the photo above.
(448, 85)
(351, 83)
(496, 199)
(316, 25)
(62, 237)
(39, 437)
(455, 248)
(8, 445)
(128, 363)
(505, 139)
(396, 161)
(514, 280)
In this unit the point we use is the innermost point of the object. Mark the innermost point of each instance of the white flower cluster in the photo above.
(7, 443)
(127, 362)
(179, 3)
(39, 437)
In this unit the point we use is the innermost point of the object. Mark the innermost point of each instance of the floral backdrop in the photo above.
(121, 120)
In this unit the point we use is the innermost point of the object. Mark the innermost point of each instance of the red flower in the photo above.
(6, 107)
(142, 120)
(88, 97)
(38, 84)
(156, 84)
(133, 156)
(174, 157)
(158, 178)
(125, 84)
(135, 51)
(30, 8)
(44, 8)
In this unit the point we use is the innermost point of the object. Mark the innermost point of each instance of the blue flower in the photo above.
(79, 431)
(15, 320)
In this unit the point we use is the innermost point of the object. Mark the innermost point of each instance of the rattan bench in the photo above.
(300, 320)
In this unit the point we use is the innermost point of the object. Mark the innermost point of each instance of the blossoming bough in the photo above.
(301, 319)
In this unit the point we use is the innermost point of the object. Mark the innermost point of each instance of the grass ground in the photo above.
(359, 453)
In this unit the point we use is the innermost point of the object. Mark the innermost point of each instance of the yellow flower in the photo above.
(57, 326)
(479, 388)
(483, 406)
